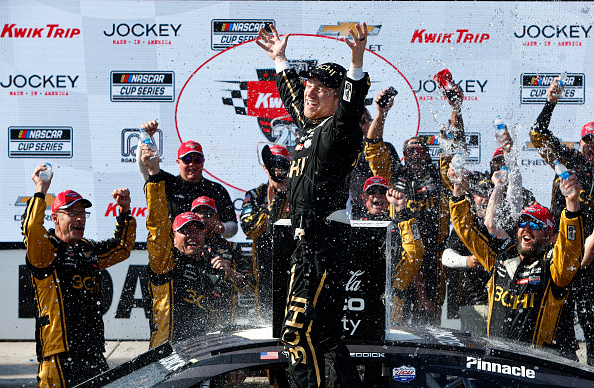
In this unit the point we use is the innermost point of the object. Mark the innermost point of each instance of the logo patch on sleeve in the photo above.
(415, 231)
(348, 91)
(571, 232)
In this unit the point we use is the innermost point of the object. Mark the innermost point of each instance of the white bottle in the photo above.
(562, 79)
(145, 138)
(499, 129)
(46, 175)
(561, 170)
(458, 165)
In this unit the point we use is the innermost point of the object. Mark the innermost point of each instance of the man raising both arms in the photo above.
(327, 111)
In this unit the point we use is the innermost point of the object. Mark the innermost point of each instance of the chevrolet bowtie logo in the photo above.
(22, 201)
(342, 29)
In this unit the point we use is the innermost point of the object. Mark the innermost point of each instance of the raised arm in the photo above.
(118, 248)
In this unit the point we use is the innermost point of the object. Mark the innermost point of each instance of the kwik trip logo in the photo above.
(460, 36)
(261, 99)
(533, 89)
(49, 31)
(40, 142)
(341, 29)
(157, 86)
(226, 33)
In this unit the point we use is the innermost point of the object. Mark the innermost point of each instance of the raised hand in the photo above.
(358, 44)
(273, 45)
(122, 198)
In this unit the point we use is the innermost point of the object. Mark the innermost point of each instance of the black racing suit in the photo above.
(66, 281)
(181, 193)
(257, 218)
(188, 295)
(582, 293)
(325, 152)
(526, 296)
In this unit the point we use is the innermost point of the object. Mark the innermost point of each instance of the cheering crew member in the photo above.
(530, 276)
(217, 247)
(65, 270)
(427, 191)
(407, 248)
(327, 111)
(262, 207)
(181, 190)
(188, 289)
(581, 162)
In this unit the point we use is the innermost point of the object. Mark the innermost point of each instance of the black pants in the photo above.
(70, 368)
(584, 297)
(312, 331)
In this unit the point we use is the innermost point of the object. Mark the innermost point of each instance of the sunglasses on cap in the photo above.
(531, 224)
(206, 213)
(376, 190)
(196, 158)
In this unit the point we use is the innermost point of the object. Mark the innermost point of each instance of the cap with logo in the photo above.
(204, 201)
(587, 129)
(375, 181)
(330, 74)
(188, 147)
(68, 198)
(182, 219)
(540, 214)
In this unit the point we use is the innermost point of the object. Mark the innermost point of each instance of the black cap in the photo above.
(330, 74)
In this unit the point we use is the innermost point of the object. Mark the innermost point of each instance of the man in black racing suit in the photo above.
(327, 111)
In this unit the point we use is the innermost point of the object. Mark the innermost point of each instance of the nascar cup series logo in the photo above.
(534, 88)
(157, 86)
(231, 103)
(40, 142)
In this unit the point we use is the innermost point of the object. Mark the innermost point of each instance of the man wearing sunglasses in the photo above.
(327, 110)
(581, 162)
(190, 184)
(530, 273)
(65, 271)
(190, 290)
(261, 208)
(223, 253)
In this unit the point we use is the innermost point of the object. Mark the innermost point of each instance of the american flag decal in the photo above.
(268, 355)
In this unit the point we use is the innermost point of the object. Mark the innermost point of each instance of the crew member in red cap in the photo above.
(188, 289)
(581, 163)
(531, 273)
(327, 110)
(261, 208)
(408, 246)
(218, 248)
(65, 270)
(190, 184)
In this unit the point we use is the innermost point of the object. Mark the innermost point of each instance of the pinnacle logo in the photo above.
(260, 99)
(49, 31)
(460, 36)
(341, 29)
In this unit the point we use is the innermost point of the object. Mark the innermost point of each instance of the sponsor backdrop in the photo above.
(78, 78)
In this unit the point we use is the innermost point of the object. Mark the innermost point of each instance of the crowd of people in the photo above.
(513, 268)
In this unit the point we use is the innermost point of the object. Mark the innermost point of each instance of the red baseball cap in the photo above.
(587, 129)
(204, 201)
(278, 150)
(188, 147)
(376, 181)
(68, 198)
(498, 152)
(184, 218)
(540, 214)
